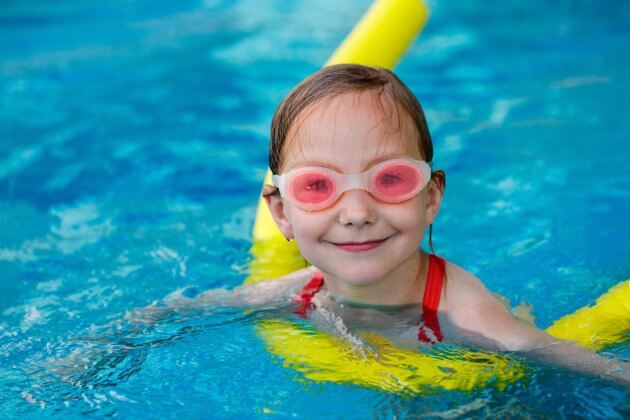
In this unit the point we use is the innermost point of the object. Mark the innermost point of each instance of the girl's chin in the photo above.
(359, 277)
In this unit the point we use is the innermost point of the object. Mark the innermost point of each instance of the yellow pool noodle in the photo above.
(596, 327)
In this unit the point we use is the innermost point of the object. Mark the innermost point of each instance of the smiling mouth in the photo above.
(360, 246)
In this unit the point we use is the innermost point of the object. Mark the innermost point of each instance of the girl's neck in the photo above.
(403, 286)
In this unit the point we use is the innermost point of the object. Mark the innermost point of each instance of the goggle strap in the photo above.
(278, 182)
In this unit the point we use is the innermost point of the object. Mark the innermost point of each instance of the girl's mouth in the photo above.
(360, 246)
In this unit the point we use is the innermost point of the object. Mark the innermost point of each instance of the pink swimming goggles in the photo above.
(315, 188)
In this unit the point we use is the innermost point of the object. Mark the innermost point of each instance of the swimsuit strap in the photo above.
(307, 293)
(429, 332)
(431, 300)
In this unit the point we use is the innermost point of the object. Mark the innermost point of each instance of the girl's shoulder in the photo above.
(298, 278)
(460, 286)
(275, 290)
(471, 307)
(465, 299)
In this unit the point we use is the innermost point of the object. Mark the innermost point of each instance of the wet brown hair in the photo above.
(332, 81)
(336, 80)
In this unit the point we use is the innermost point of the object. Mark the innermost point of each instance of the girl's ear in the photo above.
(276, 208)
(435, 190)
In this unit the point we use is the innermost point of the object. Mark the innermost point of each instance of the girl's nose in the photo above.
(356, 207)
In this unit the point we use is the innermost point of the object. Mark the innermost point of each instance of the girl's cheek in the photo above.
(309, 226)
(409, 213)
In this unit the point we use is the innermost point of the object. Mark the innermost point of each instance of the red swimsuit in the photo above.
(429, 332)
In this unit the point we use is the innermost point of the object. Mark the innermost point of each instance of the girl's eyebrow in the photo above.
(315, 163)
(380, 159)
(371, 163)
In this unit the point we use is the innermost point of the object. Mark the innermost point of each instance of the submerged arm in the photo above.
(109, 346)
(517, 335)
(471, 308)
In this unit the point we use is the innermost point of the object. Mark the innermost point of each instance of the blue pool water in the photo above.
(133, 141)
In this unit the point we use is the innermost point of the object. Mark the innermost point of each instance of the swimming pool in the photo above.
(121, 124)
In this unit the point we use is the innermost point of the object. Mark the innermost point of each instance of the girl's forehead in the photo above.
(351, 132)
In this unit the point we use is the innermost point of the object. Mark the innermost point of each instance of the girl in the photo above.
(353, 186)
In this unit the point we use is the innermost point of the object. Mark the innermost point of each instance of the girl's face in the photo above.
(349, 134)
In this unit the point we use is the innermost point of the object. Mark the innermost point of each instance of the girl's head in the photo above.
(349, 118)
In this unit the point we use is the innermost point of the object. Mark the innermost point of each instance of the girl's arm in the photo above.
(263, 293)
(108, 346)
(471, 308)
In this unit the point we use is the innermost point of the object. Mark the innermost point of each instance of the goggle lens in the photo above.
(312, 187)
(397, 181)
